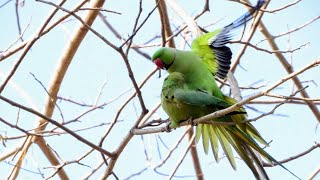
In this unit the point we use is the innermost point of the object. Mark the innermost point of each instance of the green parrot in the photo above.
(182, 103)
(190, 91)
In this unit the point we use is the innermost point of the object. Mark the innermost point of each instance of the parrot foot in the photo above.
(190, 121)
(167, 127)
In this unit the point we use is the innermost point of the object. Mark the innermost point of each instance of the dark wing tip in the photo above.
(223, 57)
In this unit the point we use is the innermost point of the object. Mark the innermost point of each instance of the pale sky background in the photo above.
(292, 130)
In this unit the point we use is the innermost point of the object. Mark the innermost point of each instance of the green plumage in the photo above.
(181, 103)
(190, 91)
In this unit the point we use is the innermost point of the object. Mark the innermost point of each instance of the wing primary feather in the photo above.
(225, 34)
(223, 57)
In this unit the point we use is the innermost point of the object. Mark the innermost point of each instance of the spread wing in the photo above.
(211, 47)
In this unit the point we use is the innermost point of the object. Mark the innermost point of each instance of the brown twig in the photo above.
(10, 153)
(194, 155)
(187, 19)
(289, 69)
(17, 127)
(314, 174)
(274, 51)
(290, 31)
(15, 171)
(18, 19)
(120, 148)
(174, 147)
(65, 163)
(115, 32)
(277, 106)
(20, 37)
(263, 102)
(139, 27)
(263, 9)
(147, 117)
(123, 106)
(45, 118)
(93, 170)
(293, 98)
(99, 9)
(191, 141)
(56, 82)
(165, 23)
(9, 52)
(28, 47)
(317, 145)
(5, 3)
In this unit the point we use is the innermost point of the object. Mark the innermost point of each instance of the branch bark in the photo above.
(286, 65)
(60, 72)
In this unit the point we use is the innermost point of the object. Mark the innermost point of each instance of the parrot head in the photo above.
(164, 58)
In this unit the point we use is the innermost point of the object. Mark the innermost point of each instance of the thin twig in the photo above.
(314, 174)
(18, 19)
(274, 51)
(5, 3)
(317, 145)
(57, 124)
(28, 47)
(289, 69)
(290, 31)
(182, 157)
(194, 155)
(174, 147)
(139, 27)
(9, 53)
(100, 9)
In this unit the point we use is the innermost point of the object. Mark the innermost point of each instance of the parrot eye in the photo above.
(159, 63)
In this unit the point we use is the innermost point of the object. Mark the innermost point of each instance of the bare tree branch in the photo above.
(317, 145)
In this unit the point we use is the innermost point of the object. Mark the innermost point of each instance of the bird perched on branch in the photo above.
(190, 91)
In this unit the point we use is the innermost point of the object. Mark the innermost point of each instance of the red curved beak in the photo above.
(159, 63)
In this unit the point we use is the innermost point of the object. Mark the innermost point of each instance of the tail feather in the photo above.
(214, 142)
(242, 137)
(232, 137)
(245, 153)
(247, 139)
(224, 141)
(245, 127)
(198, 132)
(205, 138)
(261, 173)
(254, 133)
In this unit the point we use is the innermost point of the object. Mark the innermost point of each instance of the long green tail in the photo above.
(242, 137)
